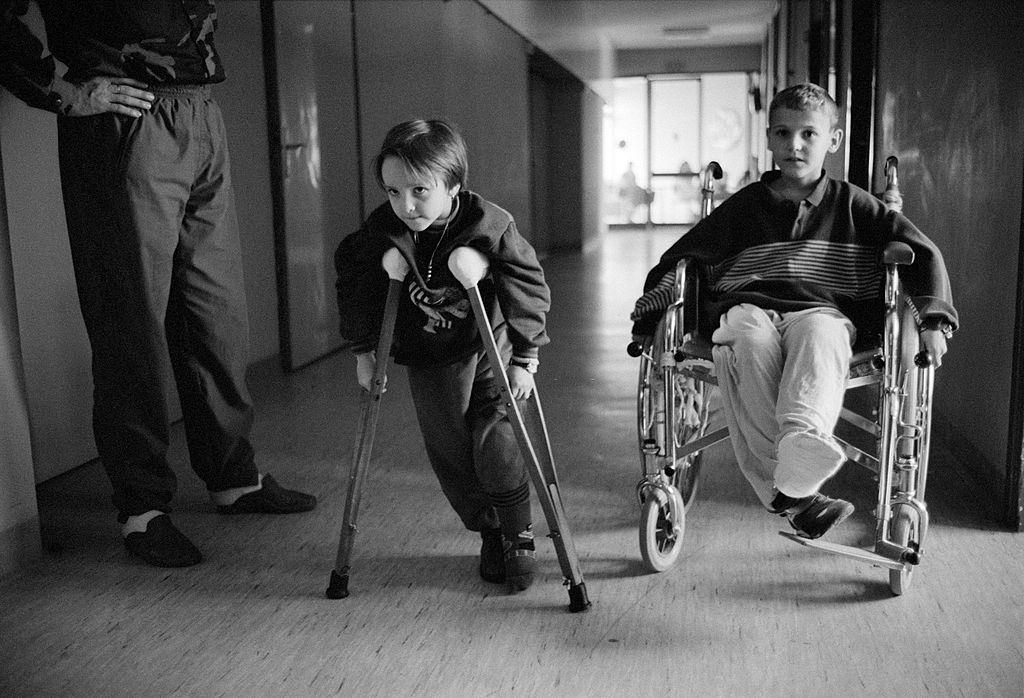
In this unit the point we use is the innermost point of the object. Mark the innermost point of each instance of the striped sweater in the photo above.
(758, 247)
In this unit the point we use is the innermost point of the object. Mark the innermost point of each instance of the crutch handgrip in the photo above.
(468, 265)
(395, 264)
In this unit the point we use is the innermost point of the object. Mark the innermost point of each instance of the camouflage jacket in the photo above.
(154, 41)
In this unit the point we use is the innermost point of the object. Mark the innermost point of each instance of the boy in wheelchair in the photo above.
(791, 270)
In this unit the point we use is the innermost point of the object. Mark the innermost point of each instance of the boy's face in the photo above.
(418, 200)
(799, 139)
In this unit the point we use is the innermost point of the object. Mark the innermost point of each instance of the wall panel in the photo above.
(53, 341)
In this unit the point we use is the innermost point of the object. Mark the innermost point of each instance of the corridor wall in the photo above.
(19, 519)
(957, 127)
(430, 58)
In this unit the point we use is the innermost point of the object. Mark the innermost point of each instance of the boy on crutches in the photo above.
(470, 441)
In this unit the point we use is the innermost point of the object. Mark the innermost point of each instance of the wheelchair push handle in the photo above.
(468, 265)
(712, 172)
(395, 264)
(891, 196)
(635, 349)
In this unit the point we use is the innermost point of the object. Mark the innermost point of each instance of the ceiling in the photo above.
(583, 25)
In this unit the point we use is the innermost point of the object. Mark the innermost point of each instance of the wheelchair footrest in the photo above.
(846, 551)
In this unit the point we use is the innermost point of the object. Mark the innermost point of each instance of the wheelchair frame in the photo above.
(672, 424)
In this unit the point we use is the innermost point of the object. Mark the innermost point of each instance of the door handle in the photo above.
(289, 148)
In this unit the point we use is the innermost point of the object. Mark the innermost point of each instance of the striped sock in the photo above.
(513, 509)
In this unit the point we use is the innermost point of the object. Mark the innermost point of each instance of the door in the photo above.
(317, 178)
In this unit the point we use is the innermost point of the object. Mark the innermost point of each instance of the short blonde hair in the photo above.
(806, 96)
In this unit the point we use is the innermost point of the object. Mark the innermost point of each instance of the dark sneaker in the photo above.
(163, 545)
(784, 503)
(492, 556)
(271, 498)
(520, 564)
(819, 515)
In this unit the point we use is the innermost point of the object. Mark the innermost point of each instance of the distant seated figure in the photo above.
(793, 262)
(631, 194)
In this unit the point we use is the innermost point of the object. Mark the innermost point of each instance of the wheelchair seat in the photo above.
(863, 362)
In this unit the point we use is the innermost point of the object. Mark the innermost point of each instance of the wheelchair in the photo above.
(677, 384)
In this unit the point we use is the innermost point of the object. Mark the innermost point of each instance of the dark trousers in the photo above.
(469, 438)
(154, 242)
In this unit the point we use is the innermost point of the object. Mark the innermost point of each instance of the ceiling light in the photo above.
(686, 31)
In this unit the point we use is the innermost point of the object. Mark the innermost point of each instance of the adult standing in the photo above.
(147, 194)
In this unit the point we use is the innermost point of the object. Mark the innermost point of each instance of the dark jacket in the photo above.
(159, 42)
(750, 254)
(514, 291)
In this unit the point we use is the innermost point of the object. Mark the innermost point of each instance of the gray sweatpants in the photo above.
(155, 247)
(782, 379)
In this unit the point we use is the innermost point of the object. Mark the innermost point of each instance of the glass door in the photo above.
(664, 130)
(675, 147)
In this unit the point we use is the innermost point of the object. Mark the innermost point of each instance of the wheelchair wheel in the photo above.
(904, 530)
(662, 525)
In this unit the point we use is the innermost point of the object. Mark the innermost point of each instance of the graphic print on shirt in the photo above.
(442, 306)
(847, 270)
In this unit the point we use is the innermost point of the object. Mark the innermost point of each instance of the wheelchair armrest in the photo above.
(682, 274)
(897, 253)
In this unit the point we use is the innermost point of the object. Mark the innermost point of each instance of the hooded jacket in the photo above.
(435, 325)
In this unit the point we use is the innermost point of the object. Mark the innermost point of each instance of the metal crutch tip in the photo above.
(578, 600)
(338, 587)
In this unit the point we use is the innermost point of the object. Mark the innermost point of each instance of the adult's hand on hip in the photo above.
(119, 95)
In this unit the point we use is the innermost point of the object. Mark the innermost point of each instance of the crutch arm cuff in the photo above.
(468, 265)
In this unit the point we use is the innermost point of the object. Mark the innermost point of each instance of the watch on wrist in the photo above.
(529, 365)
(943, 326)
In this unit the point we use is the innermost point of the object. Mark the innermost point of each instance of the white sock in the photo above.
(138, 524)
(229, 496)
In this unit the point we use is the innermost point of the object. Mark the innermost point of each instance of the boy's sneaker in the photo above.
(492, 556)
(814, 516)
(520, 563)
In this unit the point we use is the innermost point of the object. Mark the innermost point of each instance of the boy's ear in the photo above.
(837, 140)
(455, 189)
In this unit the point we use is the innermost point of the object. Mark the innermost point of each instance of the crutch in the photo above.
(470, 266)
(397, 268)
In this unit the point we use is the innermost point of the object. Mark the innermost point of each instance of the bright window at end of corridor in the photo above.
(661, 131)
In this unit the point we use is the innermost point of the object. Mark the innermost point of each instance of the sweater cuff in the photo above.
(363, 347)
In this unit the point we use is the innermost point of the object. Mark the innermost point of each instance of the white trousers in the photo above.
(782, 378)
